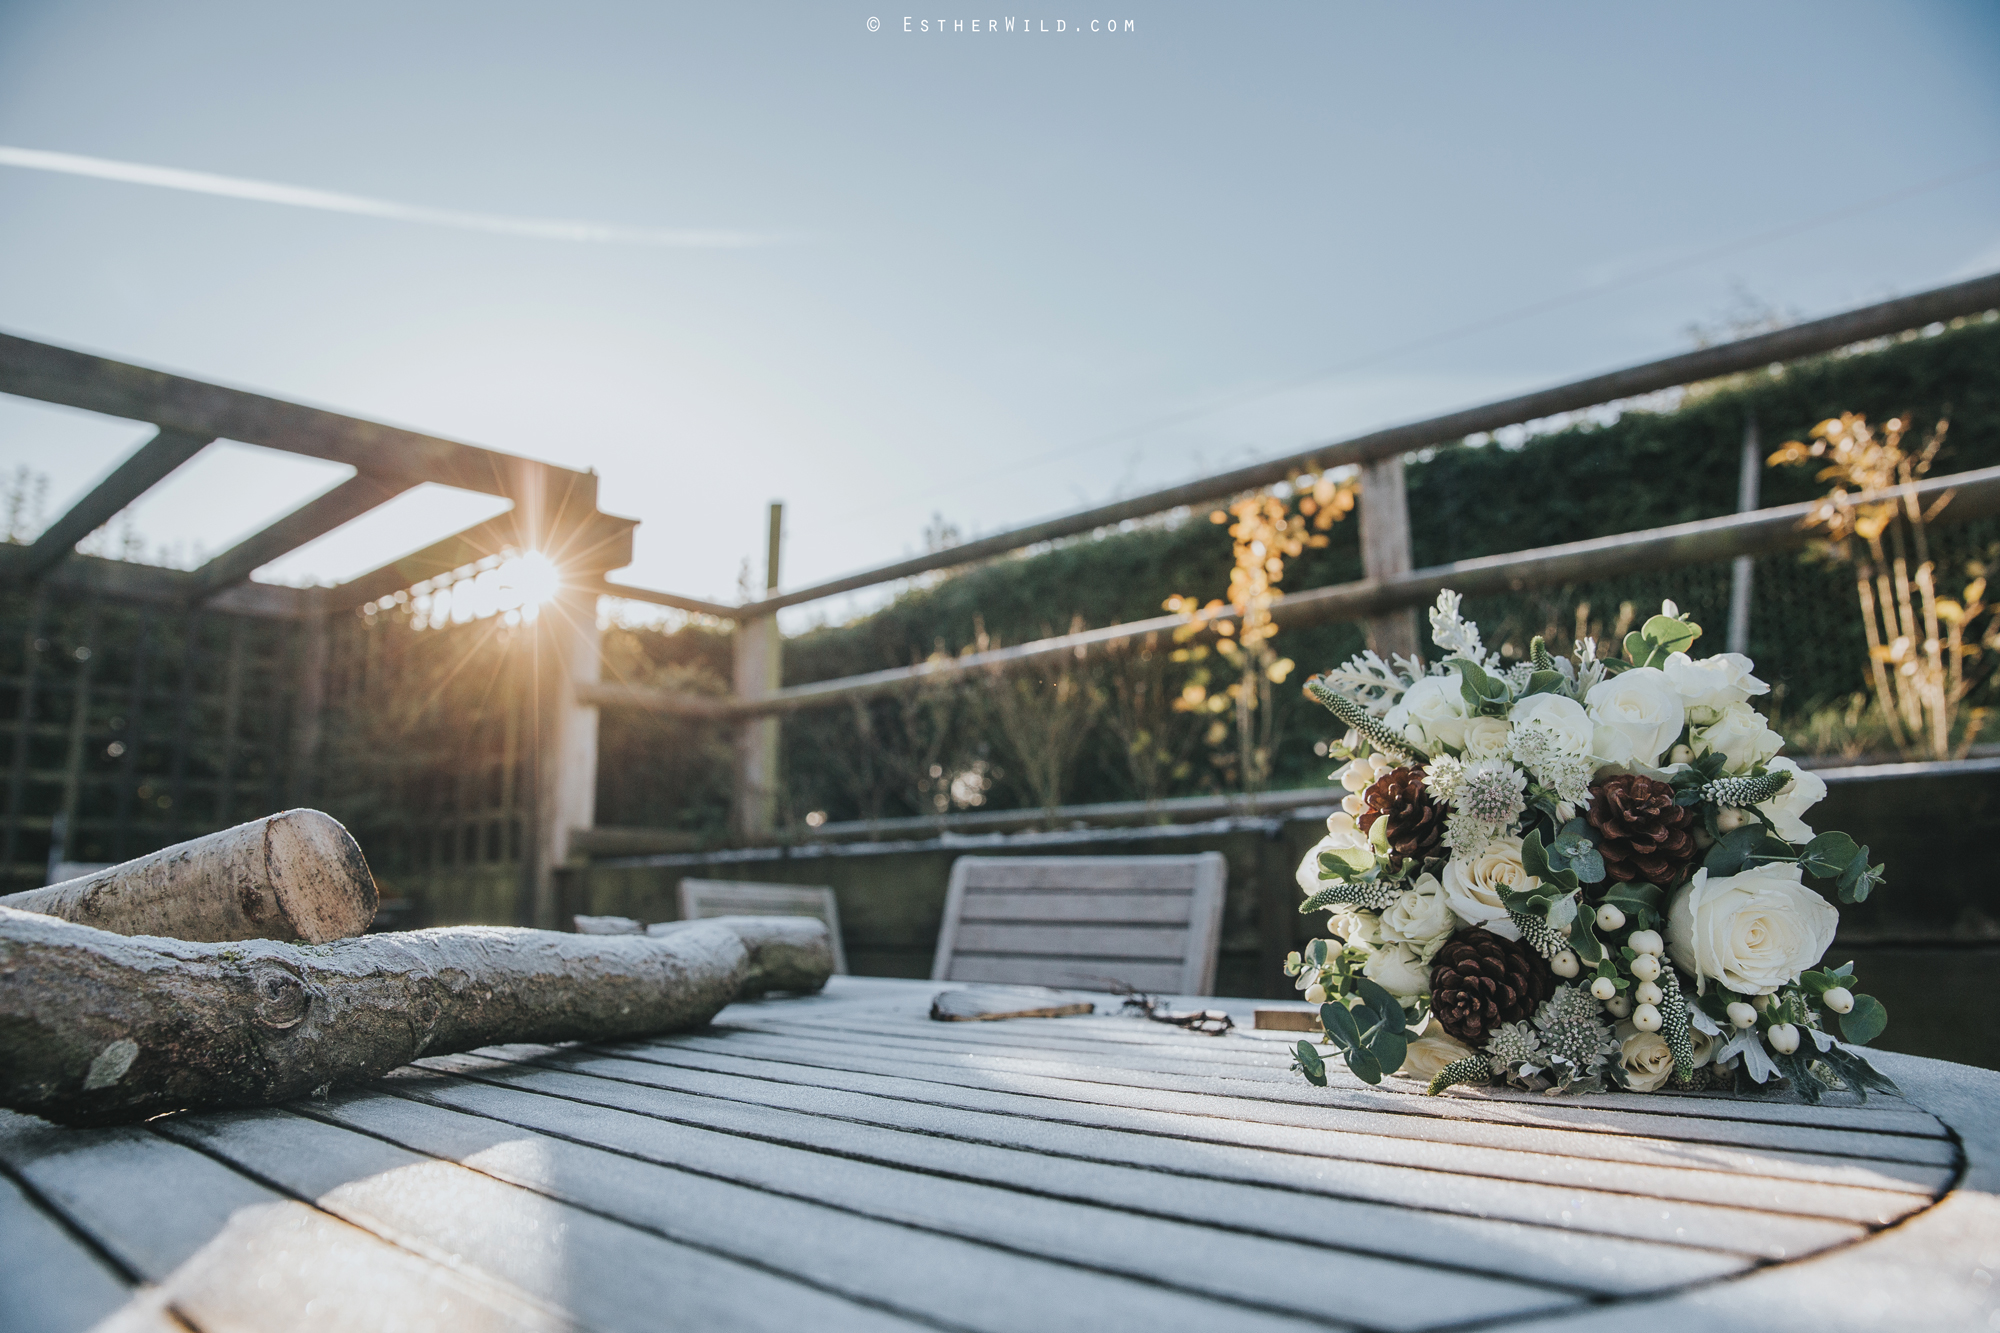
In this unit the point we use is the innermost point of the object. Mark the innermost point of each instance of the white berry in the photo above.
(1609, 917)
(1647, 941)
(1646, 1018)
(1730, 819)
(1742, 1015)
(1315, 994)
(1603, 988)
(1681, 754)
(1784, 1038)
(1618, 1006)
(1567, 965)
(1646, 967)
(1839, 999)
(1647, 992)
(1760, 1002)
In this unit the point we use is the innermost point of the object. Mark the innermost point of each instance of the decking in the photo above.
(842, 1162)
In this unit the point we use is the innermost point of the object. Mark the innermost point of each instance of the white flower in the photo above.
(1491, 795)
(1712, 684)
(1485, 738)
(1472, 885)
(1787, 809)
(1431, 713)
(1425, 1056)
(1343, 835)
(1400, 969)
(1741, 735)
(1641, 706)
(1754, 931)
(1441, 778)
(1551, 739)
(1645, 1056)
(1354, 926)
(1420, 917)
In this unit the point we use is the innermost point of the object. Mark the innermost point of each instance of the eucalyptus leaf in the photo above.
(1310, 1064)
(1388, 1010)
(1365, 1066)
(1389, 1050)
(1864, 1023)
(1732, 850)
(1340, 1026)
(1670, 634)
(1826, 856)
(1545, 682)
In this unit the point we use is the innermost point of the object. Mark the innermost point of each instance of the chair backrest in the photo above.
(1153, 923)
(722, 897)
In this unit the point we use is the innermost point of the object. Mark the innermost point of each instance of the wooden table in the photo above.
(842, 1162)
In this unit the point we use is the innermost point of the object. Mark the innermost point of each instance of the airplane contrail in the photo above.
(296, 196)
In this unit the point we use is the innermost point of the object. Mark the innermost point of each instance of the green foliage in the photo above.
(1472, 1069)
(1370, 1035)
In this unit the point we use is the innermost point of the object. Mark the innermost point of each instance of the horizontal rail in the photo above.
(1815, 336)
(606, 588)
(1973, 495)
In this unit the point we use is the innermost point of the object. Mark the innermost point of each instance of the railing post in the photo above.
(1385, 550)
(1743, 570)
(759, 670)
(570, 654)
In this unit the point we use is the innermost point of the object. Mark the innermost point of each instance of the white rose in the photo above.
(1741, 736)
(1787, 809)
(1485, 738)
(1431, 713)
(1712, 684)
(1472, 885)
(1345, 836)
(1641, 706)
(1430, 1053)
(1754, 931)
(1399, 969)
(1560, 716)
(1419, 917)
(1645, 1056)
(1354, 926)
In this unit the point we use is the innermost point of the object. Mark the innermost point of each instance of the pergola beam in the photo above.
(314, 519)
(600, 542)
(52, 374)
(142, 469)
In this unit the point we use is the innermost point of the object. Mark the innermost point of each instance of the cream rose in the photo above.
(1343, 835)
(1400, 969)
(1642, 710)
(1753, 932)
(1472, 885)
(1712, 684)
(1431, 713)
(1354, 926)
(1429, 1053)
(1419, 917)
(1485, 738)
(1787, 809)
(1646, 1058)
(1739, 733)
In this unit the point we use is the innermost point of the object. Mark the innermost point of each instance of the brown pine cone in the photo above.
(1479, 981)
(1641, 832)
(1416, 822)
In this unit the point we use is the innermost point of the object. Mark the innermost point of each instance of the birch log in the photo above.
(292, 876)
(97, 1028)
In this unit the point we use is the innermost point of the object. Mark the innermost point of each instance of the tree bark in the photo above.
(787, 953)
(292, 876)
(97, 1028)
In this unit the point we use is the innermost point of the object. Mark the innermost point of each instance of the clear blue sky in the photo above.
(1008, 274)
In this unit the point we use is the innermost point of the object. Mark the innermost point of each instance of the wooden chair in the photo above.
(1153, 923)
(722, 897)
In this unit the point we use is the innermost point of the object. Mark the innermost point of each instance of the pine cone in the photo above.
(1642, 833)
(1479, 981)
(1416, 822)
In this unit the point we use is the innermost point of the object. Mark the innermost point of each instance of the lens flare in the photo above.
(527, 580)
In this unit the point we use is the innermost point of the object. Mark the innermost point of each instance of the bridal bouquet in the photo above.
(1575, 874)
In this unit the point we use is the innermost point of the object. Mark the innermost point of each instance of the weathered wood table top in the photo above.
(843, 1162)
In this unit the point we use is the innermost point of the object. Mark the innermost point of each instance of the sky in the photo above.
(890, 274)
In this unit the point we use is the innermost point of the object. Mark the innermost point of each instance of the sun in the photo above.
(528, 579)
